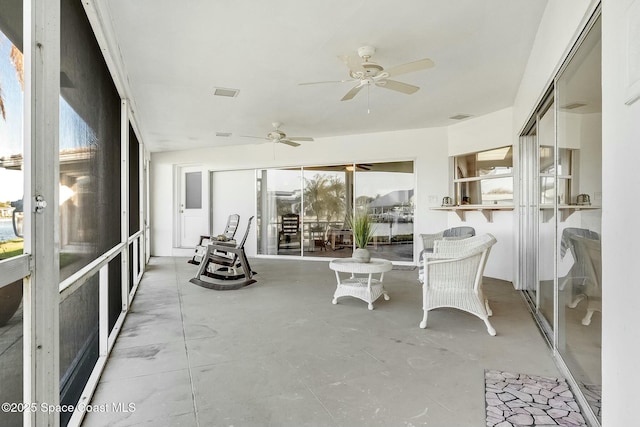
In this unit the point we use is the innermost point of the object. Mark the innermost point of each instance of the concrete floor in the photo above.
(278, 353)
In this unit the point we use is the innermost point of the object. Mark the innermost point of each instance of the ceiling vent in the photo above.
(460, 116)
(223, 134)
(229, 93)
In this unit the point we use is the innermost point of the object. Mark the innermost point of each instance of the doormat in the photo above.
(515, 400)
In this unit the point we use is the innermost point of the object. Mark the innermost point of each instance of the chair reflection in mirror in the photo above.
(583, 282)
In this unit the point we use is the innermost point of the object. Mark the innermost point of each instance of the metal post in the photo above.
(42, 176)
(124, 200)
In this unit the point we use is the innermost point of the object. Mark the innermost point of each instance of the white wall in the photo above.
(620, 232)
(477, 134)
(162, 209)
(427, 147)
(482, 133)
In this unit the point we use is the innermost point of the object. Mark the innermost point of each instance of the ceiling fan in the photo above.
(368, 73)
(276, 135)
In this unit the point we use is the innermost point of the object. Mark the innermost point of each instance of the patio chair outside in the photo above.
(289, 231)
(453, 277)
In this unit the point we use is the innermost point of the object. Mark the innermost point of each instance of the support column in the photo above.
(42, 176)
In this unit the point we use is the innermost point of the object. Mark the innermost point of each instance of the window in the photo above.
(484, 178)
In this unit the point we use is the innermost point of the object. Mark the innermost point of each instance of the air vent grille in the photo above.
(223, 134)
(229, 93)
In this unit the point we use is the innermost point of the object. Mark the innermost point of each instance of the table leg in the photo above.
(369, 291)
(384, 291)
(335, 299)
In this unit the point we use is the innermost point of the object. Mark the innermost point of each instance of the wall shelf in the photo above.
(565, 211)
(486, 210)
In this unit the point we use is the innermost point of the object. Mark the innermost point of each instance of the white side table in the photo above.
(366, 288)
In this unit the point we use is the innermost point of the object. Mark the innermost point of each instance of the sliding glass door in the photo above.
(560, 218)
(385, 192)
(306, 211)
(578, 94)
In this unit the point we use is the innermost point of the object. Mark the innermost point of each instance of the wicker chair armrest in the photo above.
(429, 239)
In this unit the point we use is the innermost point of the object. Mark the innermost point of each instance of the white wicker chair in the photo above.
(453, 277)
(454, 233)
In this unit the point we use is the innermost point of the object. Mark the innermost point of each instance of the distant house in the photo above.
(394, 206)
(6, 212)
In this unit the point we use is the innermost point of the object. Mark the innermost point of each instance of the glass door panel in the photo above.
(386, 192)
(579, 235)
(545, 296)
(327, 200)
(279, 194)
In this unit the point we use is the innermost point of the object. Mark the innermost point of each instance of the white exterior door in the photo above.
(192, 210)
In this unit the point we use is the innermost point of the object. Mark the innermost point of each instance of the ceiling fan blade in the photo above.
(289, 142)
(398, 86)
(328, 81)
(353, 92)
(299, 138)
(256, 137)
(352, 63)
(410, 67)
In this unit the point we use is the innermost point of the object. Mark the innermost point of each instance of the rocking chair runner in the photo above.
(228, 271)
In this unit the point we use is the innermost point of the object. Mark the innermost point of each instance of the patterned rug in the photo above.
(515, 400)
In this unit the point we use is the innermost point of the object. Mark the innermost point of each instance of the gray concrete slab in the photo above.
(279, 353)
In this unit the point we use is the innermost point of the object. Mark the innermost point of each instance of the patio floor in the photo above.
(278, 353)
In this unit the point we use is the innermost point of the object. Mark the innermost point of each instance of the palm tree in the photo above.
(17, 61)
(314, 195)
(324, 197)
(336, 194)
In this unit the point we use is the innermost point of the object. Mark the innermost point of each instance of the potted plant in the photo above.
(362, 228)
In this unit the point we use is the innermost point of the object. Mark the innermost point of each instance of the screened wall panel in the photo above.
(79, 316)
(115, 292)
(90, 117)
(134, 182)
(11, 195)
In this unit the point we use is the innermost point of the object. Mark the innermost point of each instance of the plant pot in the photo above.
(10, 298)
(361, 255)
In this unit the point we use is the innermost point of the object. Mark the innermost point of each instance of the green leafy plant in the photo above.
(362, 227)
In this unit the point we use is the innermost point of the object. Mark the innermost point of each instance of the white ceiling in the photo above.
(174, 53)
